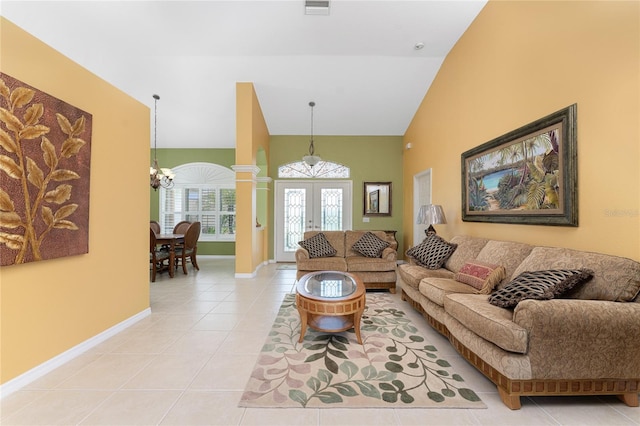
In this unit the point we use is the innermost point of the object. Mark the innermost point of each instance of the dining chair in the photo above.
(189, 247)
(156, 257)
(181, 227)
(155, 226)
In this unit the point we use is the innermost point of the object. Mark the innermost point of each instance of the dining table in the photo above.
(170, 241)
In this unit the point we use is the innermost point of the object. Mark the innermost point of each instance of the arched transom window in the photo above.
(202, 192)
(324, 169)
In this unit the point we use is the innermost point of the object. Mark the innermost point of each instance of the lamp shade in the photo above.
(423, 215)
(436, 214)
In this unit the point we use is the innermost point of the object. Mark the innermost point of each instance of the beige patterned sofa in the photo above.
(586, 342)
(375, 272)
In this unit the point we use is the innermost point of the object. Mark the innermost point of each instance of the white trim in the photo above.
(244, 168)
(244, 275)
(203, 174)
(422, 189)
(253, 274)
(58, 360)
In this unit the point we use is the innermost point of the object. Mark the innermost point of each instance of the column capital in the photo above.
(246, 168)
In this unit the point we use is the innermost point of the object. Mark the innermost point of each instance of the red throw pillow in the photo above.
(482, 276)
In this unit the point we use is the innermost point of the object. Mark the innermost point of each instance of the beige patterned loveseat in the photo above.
(584, 342)
(375, 272)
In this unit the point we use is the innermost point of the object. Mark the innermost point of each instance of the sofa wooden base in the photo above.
(381, 286)
(510, 390)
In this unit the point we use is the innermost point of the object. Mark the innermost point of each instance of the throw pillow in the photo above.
(482, 276)
(432, 252)
(318, 246)
(539, 285)
(370, 245)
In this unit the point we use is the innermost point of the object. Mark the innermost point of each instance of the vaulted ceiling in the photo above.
(359, 63)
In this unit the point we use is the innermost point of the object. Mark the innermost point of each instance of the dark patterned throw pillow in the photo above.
(432, 252)
(318, 246)
(370, 245)
(539, 285)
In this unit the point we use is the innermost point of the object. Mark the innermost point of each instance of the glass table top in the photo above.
(329, 285)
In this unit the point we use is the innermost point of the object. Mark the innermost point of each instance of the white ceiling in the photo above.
(358, 63)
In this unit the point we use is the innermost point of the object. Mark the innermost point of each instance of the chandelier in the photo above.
(159, 177)
(311, 159)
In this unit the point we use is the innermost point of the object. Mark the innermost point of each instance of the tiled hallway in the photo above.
(187, 364)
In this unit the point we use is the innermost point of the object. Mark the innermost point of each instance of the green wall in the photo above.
(370, 158)
(177, 157)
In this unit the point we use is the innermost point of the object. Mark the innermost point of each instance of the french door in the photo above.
(308, 206)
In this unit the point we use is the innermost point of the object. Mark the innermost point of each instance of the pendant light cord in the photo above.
(155, 128)
(311, 147)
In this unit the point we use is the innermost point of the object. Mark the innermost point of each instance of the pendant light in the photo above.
(311, 159)
(159, 177)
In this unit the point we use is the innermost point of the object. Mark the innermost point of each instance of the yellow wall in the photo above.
(518, 62)
(51, 306)
(252, 135)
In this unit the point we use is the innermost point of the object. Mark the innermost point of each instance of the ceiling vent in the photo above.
(316, 7)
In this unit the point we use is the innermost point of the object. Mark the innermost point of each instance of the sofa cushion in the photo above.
(318, 246)
(487, 321)
(370, 245)
(506, 253)
(432, 251)
(372, 264)
(616, 279)
(467, 249)
(413, 274)
(435, 289)
(322, 264)
(482, 276)
(539, 285)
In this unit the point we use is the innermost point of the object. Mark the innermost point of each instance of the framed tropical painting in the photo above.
(527, 176)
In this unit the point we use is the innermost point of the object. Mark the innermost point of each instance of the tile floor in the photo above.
(187, 364)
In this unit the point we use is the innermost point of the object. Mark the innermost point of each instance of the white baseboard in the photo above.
(253, 274)
(55, 362)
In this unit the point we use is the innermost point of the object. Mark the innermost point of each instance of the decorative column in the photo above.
(248, 254)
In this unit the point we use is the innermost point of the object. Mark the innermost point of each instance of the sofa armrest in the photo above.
(302, 254)
(581, 339)
(389, 254)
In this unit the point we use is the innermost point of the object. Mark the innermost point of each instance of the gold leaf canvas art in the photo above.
(45, 154)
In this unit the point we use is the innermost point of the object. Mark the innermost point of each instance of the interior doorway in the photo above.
(308, 206)
(421, 197)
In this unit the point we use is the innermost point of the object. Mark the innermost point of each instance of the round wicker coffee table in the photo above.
(330, 301)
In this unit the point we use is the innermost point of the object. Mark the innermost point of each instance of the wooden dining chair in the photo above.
(190, 247)
(155, 226)
(181, 227)
(156, 257)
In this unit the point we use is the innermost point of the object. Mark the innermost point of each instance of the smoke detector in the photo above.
(316, 7)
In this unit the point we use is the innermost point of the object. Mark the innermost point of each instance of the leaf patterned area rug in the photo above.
(395, 367)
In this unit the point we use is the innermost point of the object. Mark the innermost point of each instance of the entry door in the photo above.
(308, 206)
